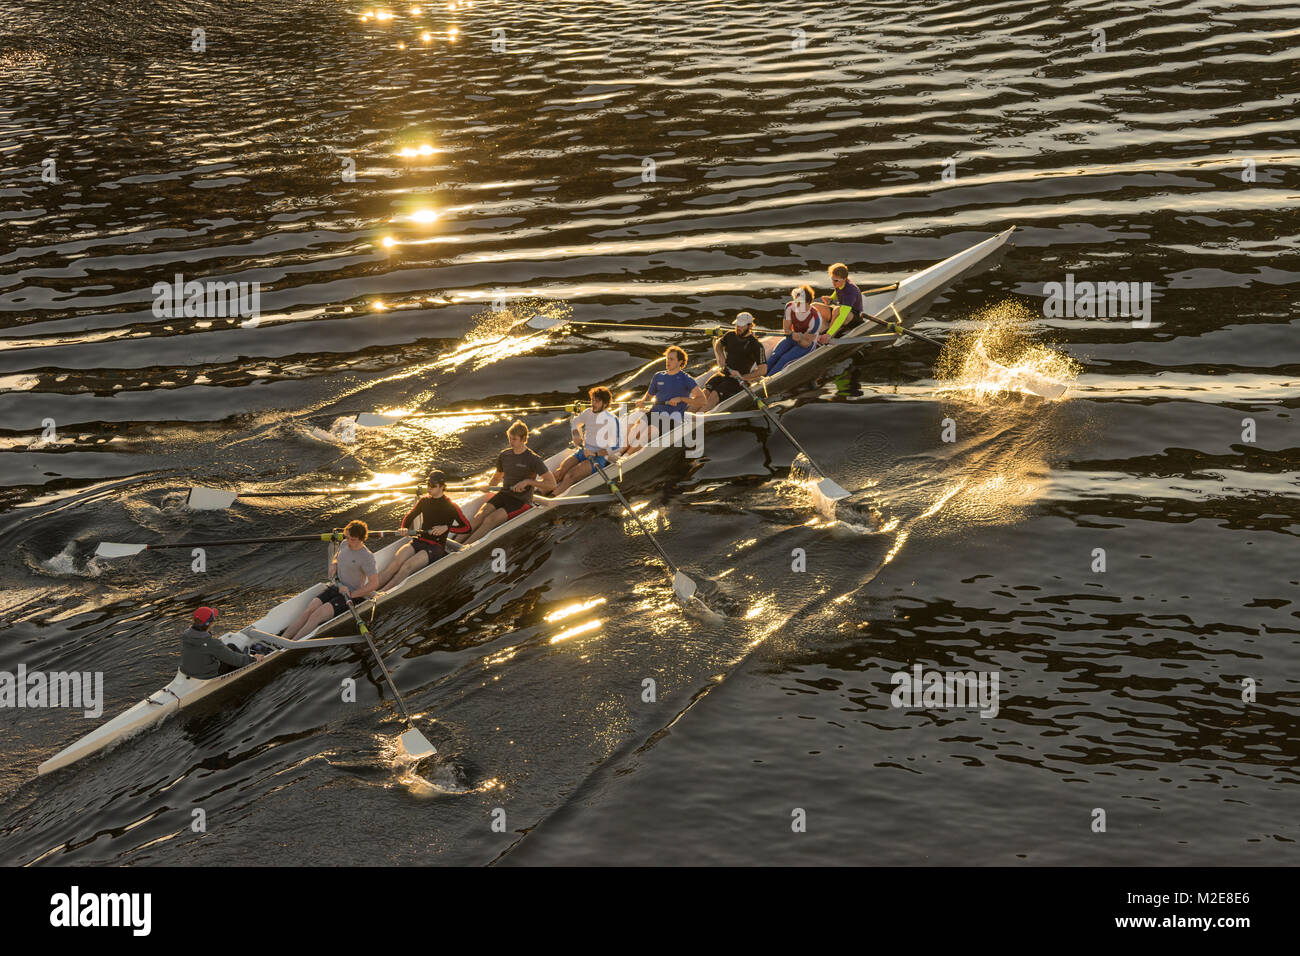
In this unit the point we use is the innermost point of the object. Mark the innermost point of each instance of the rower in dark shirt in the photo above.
(203, 656)
(520, 471)
(740, 357)
(439, 516)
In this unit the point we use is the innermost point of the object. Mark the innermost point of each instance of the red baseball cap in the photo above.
(205, 615)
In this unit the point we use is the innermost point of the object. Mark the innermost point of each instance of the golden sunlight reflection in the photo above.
(583, 628)
(389, 479)
(572, 609)
(423, 216)
(451, 424)
(997, 357)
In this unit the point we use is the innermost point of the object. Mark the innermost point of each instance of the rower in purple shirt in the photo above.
(842, 305)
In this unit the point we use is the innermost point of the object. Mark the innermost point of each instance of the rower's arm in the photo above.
(547, 483)
(759, 371)
(372, 582)
(225, 654)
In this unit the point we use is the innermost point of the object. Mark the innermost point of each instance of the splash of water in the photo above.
(997, 357)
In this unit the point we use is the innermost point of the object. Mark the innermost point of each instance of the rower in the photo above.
(674, 393)
(355, 577)
(439, 517)
(740, 357)
(842, 305)
(598, 437)
(520, 471)
(203, 656)
(802, 325)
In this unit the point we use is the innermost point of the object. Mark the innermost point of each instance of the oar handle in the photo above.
(329, 536)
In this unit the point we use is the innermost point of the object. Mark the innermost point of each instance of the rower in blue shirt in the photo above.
(673, 393)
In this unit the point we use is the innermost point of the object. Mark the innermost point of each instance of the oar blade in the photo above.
(543, 322)
(210, 499)
(416, 745)
(112, 549)
(825, 494)
(683, 586)
(379, 419)
(1039, 385)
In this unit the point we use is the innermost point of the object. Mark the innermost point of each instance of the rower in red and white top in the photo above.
(802, 325)
(439, 516)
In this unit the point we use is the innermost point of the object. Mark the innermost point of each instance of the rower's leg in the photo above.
(299, 626)
(318, 617)
(400, 557)
(410, 566)
(489, 517)
(710, 399)
(494, 520)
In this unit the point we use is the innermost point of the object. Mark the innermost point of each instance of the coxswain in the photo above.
(204, 656)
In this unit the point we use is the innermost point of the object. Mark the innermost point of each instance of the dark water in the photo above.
(1120, 690)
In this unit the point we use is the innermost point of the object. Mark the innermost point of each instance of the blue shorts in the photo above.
(675, 412)
(581, 455)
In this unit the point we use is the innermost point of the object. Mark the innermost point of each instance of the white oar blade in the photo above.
(379, 419)
(416, 745)
(111, 549)
(825, 494)
(543, 322)
(210, 499)
(683, 587)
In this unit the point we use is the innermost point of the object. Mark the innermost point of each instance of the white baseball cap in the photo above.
(744, 318)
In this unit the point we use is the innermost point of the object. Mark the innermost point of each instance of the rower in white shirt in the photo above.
(597, 434)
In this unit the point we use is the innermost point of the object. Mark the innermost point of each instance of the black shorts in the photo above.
(334, 597)
(509, 502)
(432, 548)
(724, 385)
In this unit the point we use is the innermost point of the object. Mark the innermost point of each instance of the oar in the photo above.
(413, 742)
(305, 644)
(384, 419)
(116, 549)
(217, 499)
(542, 322)
(827, 488)
(1032, 382)
(683, 586)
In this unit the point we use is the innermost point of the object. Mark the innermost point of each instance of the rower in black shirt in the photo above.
(739, 355)
(439, 517)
